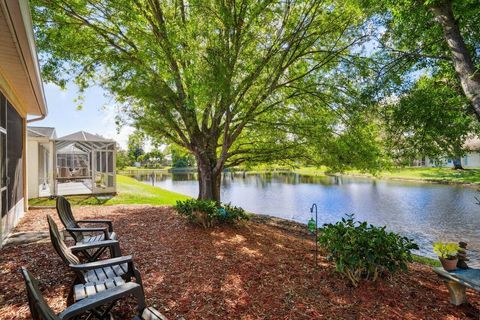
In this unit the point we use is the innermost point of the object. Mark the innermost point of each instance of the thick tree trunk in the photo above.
(457, 164)
(462, 60)
(209, 180)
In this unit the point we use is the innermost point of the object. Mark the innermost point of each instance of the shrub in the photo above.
(364, 252)
(207, 214)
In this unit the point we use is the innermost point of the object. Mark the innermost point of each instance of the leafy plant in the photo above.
(207, 214)
(446, 250)
(362, 251)
(311, 226)
(234, 214)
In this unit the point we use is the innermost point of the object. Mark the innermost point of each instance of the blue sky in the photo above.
(97, 115)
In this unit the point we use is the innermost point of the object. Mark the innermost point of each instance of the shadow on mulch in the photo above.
(262, 269)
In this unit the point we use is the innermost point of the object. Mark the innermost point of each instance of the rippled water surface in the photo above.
(425, 212)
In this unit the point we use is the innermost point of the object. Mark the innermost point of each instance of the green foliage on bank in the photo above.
(207, 214)
(362, 251)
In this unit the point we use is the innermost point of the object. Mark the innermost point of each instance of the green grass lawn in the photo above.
(311, 171)
(427, 261)
(446, 175)
(142, 169)
(129, 191)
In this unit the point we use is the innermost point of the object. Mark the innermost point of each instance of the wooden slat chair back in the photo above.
(124, 269)
(89, 306)
(38, 306)
(65, 214)
(59, 244)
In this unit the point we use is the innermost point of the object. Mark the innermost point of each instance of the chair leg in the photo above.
(140, 297)
(104, 314)
(89, 257)
(97, 254)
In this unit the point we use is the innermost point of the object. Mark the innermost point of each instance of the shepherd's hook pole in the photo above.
(316, 230)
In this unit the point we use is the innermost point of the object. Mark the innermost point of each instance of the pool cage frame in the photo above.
(84, 166)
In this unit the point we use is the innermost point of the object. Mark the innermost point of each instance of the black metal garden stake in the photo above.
(316, 230)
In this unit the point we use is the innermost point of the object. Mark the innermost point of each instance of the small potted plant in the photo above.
(447, 253)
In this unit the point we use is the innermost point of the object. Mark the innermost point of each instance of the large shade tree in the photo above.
(430, 120)
(227, 80)
(440, 36)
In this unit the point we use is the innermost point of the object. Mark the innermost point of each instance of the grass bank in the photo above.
(427, 261)
(437, 175)
(131, 168)
(129, 191)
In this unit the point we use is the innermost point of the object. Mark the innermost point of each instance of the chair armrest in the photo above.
(102, 298)
(98, 244)
(84, 230)
(102, 263)
(107, 222)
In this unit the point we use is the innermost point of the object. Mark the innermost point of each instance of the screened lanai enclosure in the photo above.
(85, 164)
(77, 164)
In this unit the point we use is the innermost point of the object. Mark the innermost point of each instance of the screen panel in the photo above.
(14, 156)
(3, 113)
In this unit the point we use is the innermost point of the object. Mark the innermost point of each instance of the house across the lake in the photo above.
(22, 100)
(470, 160)
(76, 164)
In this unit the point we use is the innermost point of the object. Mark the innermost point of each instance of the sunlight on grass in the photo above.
(129, 191)
(436, 174)
(426, 261)
(446, 175)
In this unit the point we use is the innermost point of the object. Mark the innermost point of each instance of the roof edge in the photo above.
(20, 23)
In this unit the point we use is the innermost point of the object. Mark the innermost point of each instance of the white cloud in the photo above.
(110, 129)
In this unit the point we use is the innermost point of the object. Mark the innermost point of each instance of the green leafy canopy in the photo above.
(230, 81)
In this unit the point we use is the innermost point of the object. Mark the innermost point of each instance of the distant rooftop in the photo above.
(84, 136)
(42, 132)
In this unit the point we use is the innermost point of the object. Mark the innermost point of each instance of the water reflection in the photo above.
(425, 212)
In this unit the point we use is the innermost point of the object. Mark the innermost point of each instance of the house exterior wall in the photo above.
(22, 93)
(470, 160)
(39, 171)
(32, 173)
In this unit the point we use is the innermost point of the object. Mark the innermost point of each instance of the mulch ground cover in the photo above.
(257, 270)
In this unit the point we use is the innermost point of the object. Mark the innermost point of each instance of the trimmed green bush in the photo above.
(362, 251)
(207, 214)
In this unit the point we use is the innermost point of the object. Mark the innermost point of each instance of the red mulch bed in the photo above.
(251, 271)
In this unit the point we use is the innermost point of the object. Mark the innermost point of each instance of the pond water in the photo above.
(424, 212)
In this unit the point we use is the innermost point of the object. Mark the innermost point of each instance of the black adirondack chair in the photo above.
(118, 268)
(90, 305)
(84, 234)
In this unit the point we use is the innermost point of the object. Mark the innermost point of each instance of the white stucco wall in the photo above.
(471, 160)
(32, 168)
(12, 218)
